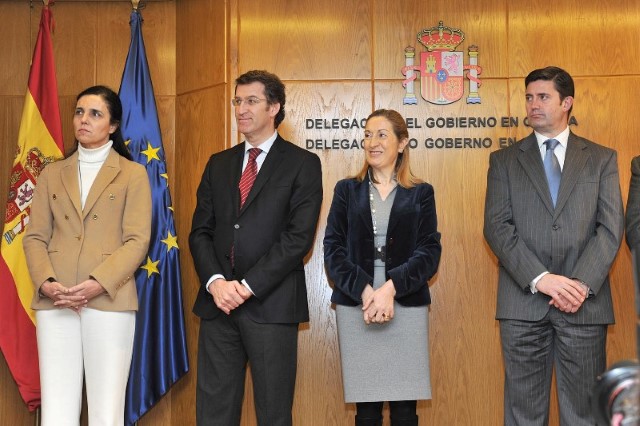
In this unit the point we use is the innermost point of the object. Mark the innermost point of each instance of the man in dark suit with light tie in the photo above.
(554, 219)
(256, 215)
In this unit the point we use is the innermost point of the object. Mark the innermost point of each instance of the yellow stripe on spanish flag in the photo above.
(39, 143)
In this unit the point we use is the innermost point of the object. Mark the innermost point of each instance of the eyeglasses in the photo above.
(251, 101)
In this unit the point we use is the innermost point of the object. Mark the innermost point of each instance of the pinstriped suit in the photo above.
(579, 238)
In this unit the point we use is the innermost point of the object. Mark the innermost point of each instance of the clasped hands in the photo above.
(377, 305)
(74, 298)
(566, 294)
(228, 295)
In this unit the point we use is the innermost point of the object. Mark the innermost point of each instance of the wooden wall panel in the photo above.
(319, 383)
(198, 136)
(306, 39)
(201, 42)
(341, 60)
(15, 47)
(93, 50)
(74, 45)
(397, 23)
(600, 118)
(113, 36)
(589, 37)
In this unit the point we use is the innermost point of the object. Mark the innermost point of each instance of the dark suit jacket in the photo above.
(270, 235)
(633, 226)
(633, 206)
(413, 243)
(578, 239)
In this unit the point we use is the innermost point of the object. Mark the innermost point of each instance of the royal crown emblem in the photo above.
(441, 68)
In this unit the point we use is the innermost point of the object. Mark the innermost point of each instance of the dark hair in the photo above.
(115, 111)
(562, 81)
(273, 89)
(404, 175)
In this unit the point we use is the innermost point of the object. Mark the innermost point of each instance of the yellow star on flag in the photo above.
(171, 241)
(151, 153)
(151, 267)
(166, 176)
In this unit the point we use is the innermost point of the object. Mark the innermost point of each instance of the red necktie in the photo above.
(249, 175)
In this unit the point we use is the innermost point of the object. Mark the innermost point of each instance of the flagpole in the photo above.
(135, 3)
(37, 412)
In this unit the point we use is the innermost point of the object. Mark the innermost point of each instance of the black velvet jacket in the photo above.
(412, 245)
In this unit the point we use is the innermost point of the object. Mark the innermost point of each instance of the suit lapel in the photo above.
(234, 176)
(70, 182)
(531, 162)
(574, 161)
(106, 175)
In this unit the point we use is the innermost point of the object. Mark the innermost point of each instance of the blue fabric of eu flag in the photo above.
(160, 348)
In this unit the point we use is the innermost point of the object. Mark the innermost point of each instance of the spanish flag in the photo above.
(39, 143)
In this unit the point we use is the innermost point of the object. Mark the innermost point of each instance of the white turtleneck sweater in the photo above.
(89, 163)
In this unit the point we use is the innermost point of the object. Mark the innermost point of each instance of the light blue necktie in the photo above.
(552, 169)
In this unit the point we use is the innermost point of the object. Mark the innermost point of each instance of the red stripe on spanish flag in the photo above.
(39, 143)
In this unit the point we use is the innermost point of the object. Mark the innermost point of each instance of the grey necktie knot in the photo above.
(552, 169)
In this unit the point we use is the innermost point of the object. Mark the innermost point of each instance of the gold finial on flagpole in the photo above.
(46, 2)
(134, 3)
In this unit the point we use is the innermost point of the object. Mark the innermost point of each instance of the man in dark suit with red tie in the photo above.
(256, 215)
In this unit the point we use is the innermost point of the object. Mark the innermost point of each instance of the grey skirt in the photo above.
(384, 362)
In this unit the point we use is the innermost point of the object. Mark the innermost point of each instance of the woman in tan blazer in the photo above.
(88, 233)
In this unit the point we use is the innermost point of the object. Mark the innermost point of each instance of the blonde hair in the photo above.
(404, 175)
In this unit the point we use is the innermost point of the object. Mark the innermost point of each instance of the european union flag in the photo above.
(160, 348)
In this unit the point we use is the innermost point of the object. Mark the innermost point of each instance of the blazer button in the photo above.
(78, 238)
(112, 197)
(95, 217)
(55, 197)
(236, 226)
(66, 217)
(555, 227)
(390, 241)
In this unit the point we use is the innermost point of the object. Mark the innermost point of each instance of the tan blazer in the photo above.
(107, 240)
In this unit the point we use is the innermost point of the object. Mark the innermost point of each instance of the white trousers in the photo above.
(95, 343)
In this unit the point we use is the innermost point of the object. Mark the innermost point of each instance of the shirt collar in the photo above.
(264, 146)
(562, 137)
